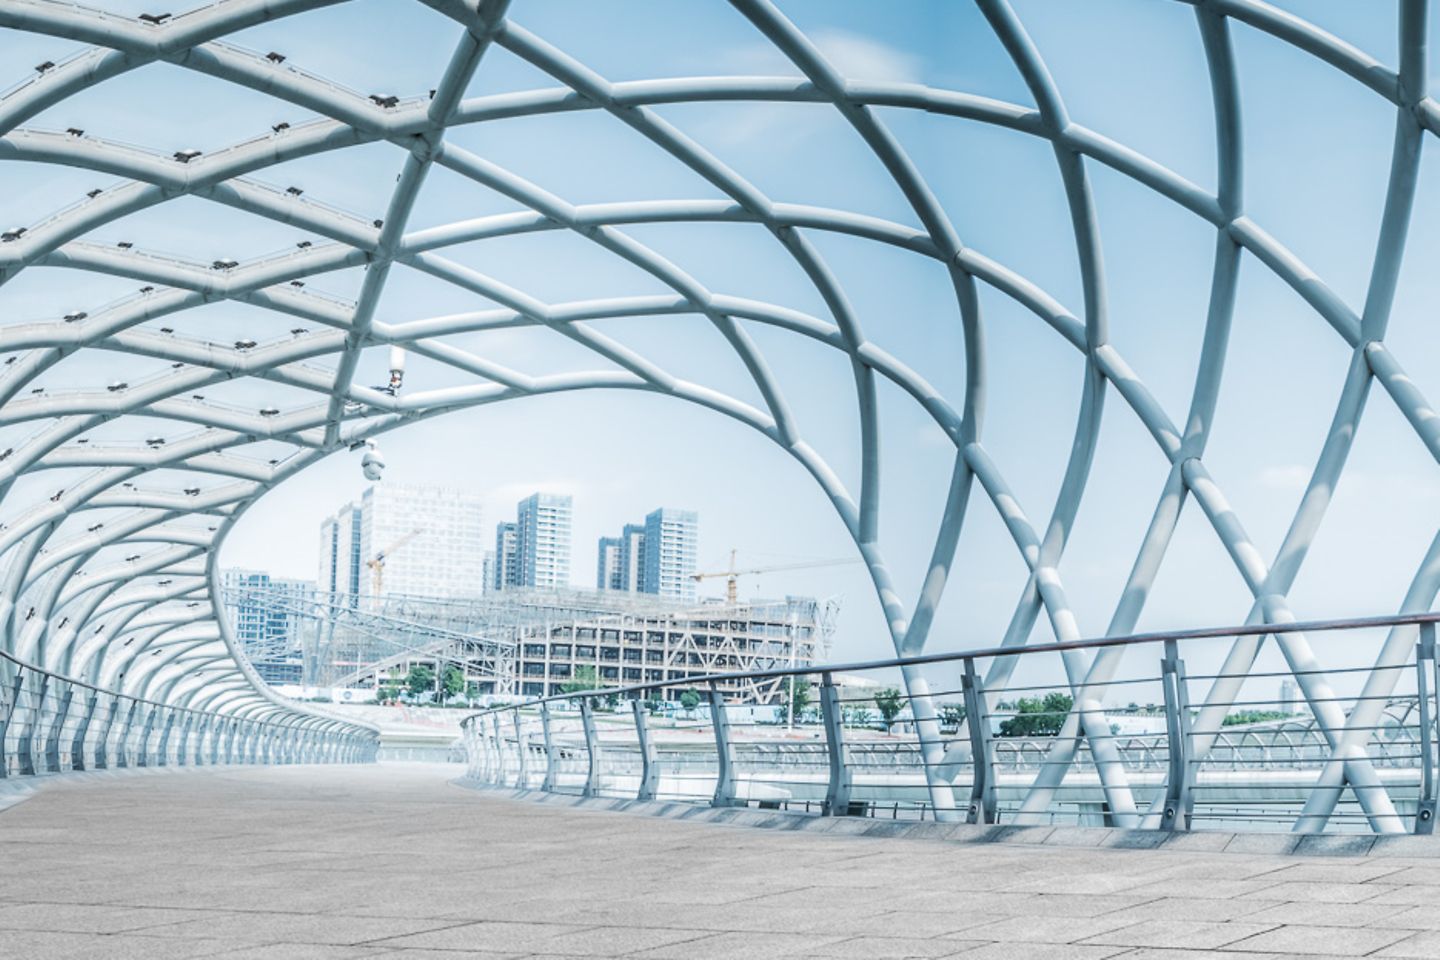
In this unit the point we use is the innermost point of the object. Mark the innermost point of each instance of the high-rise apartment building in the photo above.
(505, 571)
(632, 558)
(340, 557)
(620, 561)
(432, 539)
(672, 539)
(656, 557)
(607, 565)
(542, 534)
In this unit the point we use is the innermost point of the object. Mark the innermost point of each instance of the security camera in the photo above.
(372, 463)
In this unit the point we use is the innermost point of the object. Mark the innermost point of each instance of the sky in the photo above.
(1316, 152)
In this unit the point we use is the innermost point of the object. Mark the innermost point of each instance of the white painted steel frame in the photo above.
(45, 560)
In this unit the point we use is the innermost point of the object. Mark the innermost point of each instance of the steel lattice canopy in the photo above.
(115, 562)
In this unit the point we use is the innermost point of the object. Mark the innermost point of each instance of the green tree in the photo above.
(889, 702)
(387, 689)
(1035, 717)
(858, 717)
(689, 700)
(1251, 716)
(452, 681)
(793, 702)
(584, 679)
(420, 680)
(653, 704)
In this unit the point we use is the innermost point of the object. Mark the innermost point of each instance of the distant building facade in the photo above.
(340, 556)
(648, 644)
(542, 540)
(265, 615)
(656, 557)
(432, 537)
(505, 571)
(672, 539)
(607, 564)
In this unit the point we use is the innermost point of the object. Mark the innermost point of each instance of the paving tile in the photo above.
(1425, 945)
(1186, 908)
(1328, 941)
(1314, 913)
(296, 927)
(886, 948)
(304, 951)
(742, 946)
(1322, 892)
(1043, 951)
(1195, 935)
(91, 918)
(1044, 929)
(490, 878)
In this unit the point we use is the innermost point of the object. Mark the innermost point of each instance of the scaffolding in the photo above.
(531, 642)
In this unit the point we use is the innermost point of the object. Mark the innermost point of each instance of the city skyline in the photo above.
(435, 542)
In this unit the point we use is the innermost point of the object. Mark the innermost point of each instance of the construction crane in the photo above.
(732, 590)
(377, 562)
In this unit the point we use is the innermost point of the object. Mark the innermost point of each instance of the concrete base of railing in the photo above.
(16, 790)
(1199, 841)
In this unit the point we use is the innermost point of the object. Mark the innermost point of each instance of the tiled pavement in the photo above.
(394, 862)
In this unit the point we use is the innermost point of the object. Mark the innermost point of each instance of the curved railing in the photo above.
(1234, 756)
(50, 723)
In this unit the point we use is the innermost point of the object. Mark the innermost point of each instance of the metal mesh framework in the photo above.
(71, 589)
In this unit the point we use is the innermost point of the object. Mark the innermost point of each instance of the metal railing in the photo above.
(1042, 734)
(50, 723)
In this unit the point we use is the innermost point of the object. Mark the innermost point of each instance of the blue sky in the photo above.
(1316, 153)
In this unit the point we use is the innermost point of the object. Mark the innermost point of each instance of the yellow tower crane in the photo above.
(377, 562)
(732, 576)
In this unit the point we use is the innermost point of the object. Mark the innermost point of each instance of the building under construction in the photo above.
(521, 643)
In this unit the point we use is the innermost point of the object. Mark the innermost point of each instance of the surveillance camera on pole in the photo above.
(372, 462)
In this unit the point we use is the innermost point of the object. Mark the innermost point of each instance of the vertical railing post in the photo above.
(1424, 677)
(162, 753)
(31, 721)
(724, 758)
(9, 697)
(1176, 814)
(592, 749)
(548, 784)
(57, 723)
(183, 751)
(649, 769)
(832, 714)
(498, 749)
(142, 756)
(82, 732)
(122, 742)
(522, 768)
(102, 742)
(983, 807)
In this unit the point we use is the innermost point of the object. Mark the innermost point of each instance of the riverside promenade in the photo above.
(395, 861)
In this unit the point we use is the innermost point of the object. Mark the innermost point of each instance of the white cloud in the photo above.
(780, 126)
(854, 56)
(1287, 477)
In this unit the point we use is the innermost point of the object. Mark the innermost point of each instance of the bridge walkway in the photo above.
(392, 861)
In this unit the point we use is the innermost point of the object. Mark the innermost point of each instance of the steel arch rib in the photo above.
(314, 432)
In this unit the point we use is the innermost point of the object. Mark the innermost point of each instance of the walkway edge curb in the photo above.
(1315, 845)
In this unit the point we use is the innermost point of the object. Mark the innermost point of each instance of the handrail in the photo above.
(985, 653)
(45, 728)
(1207, 764)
